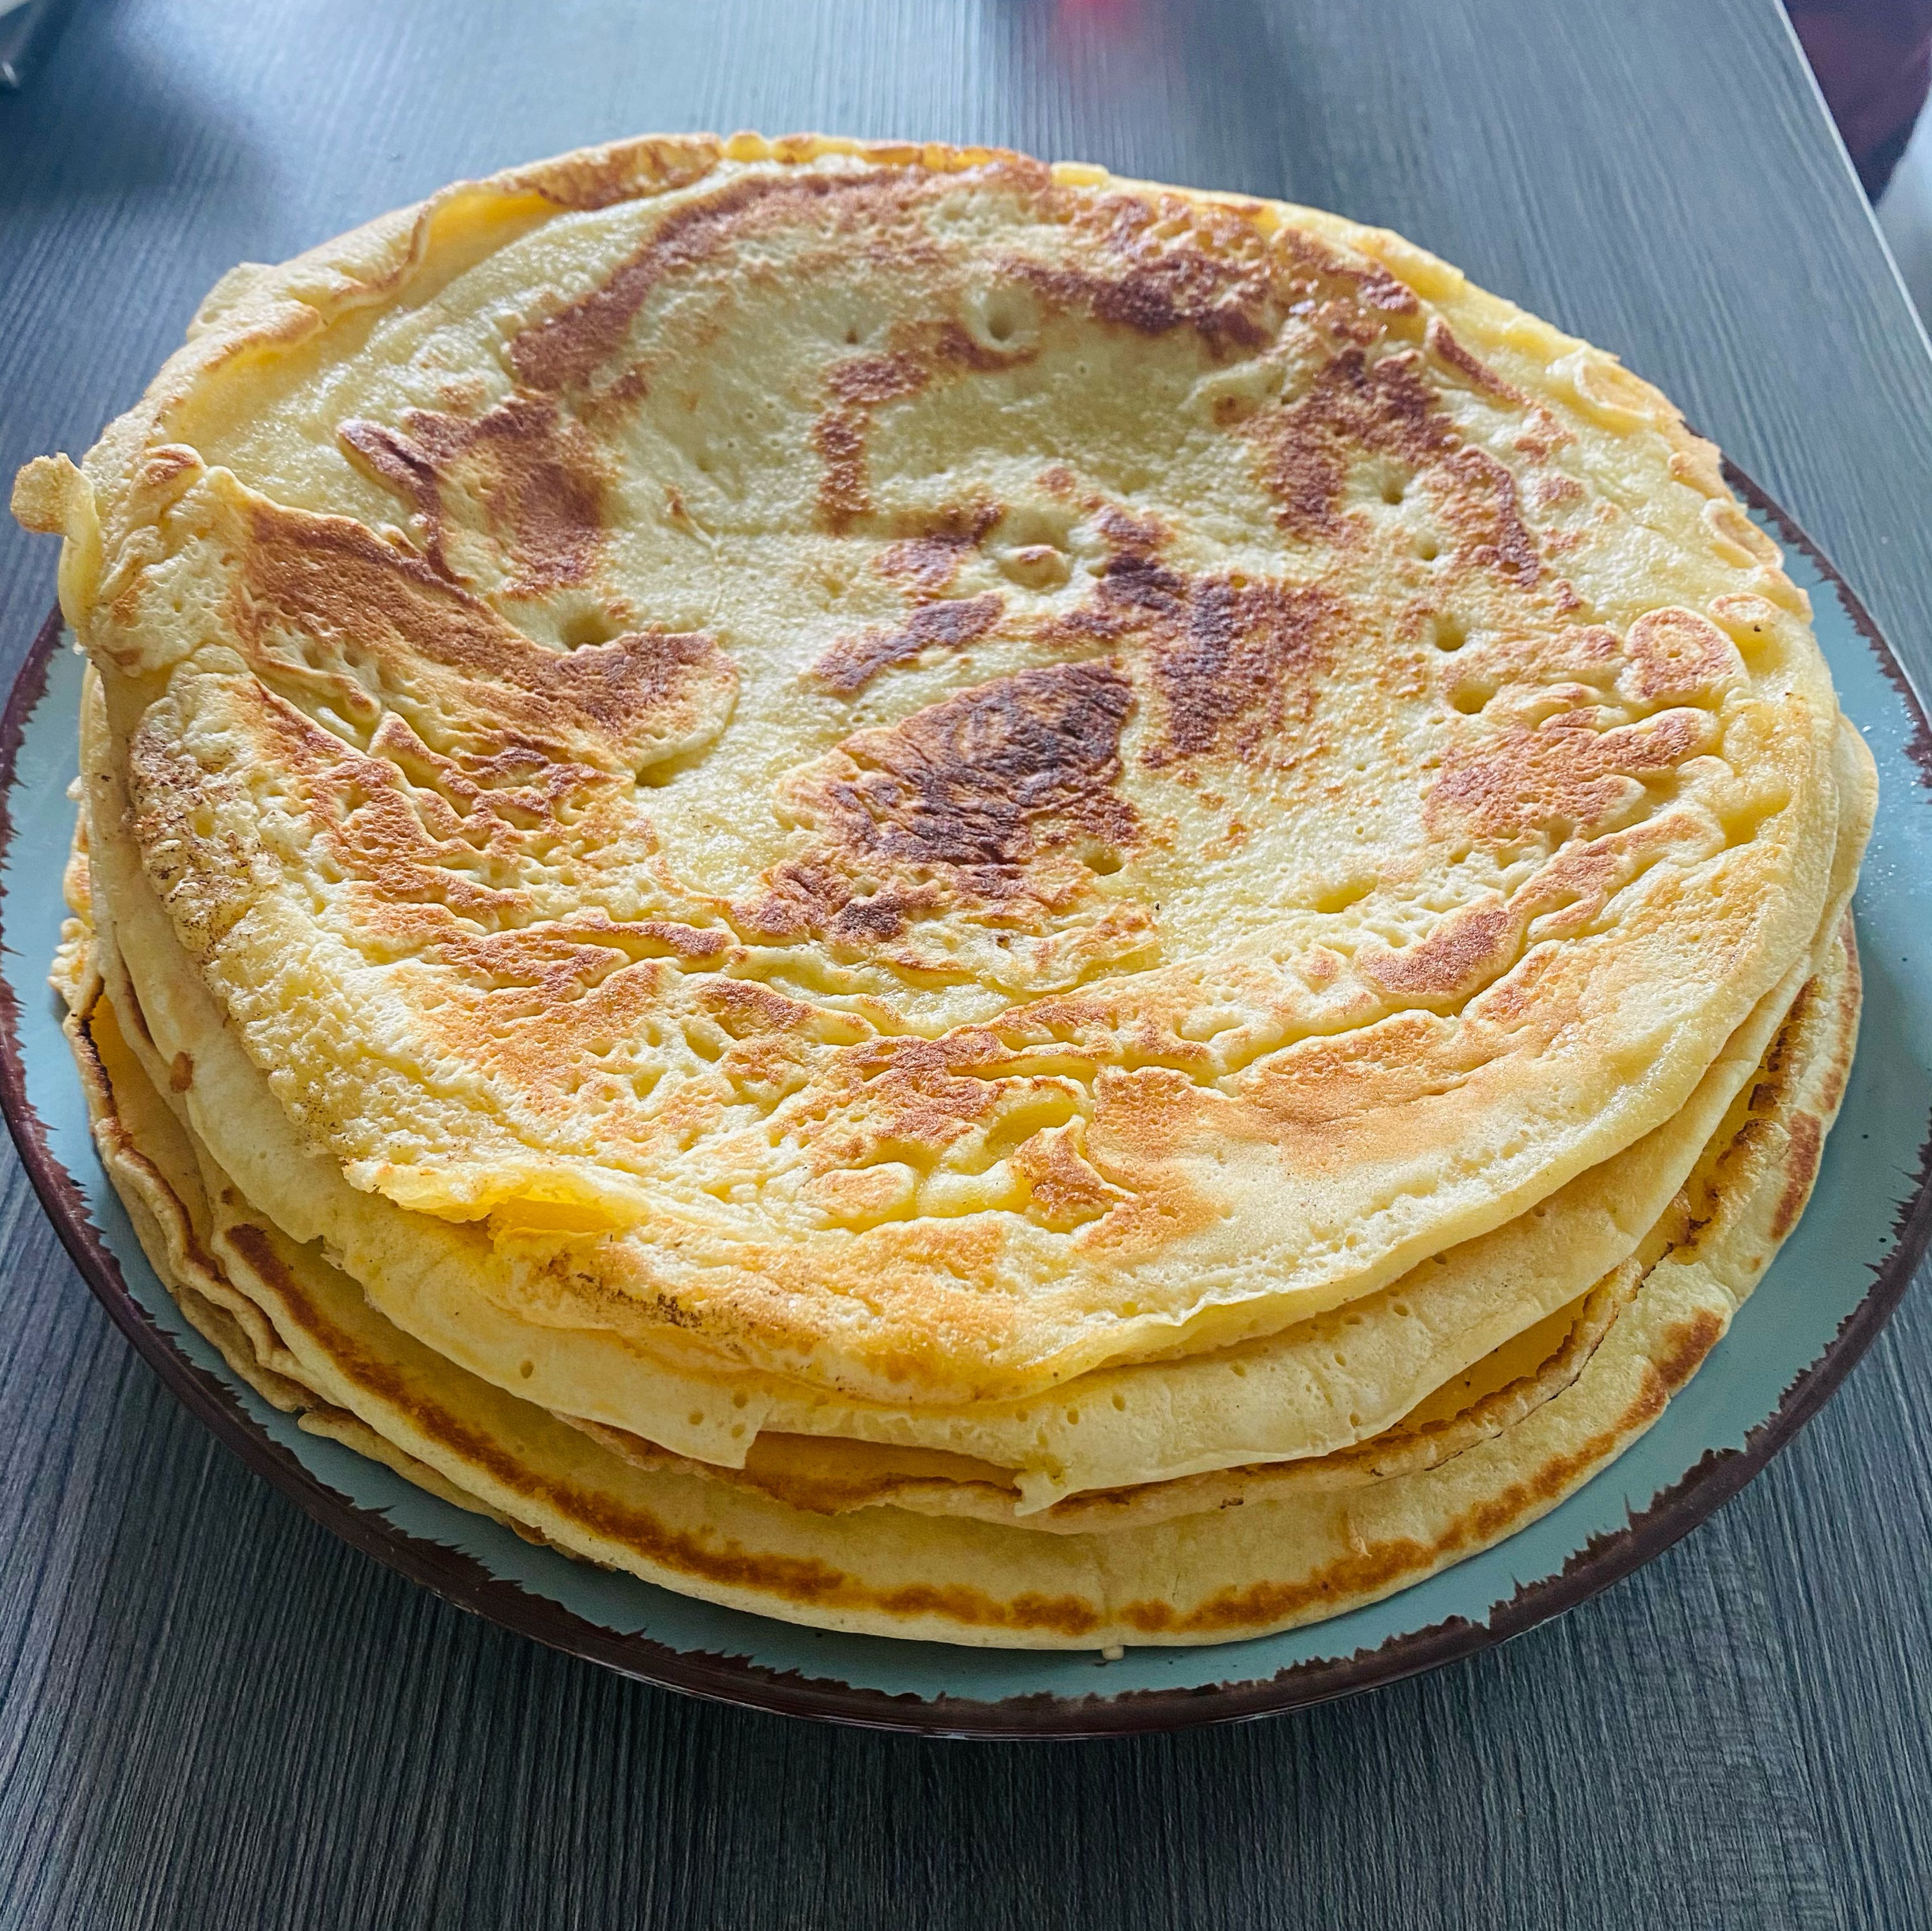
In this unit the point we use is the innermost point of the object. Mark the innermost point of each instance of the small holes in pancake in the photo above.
(1449, 633)
(1427, 547)
(1002, 319)
(527, 1369)
(1036, 566)
(1339, 897)
(1394, 488)
(696, 1418)
(1119, 1404)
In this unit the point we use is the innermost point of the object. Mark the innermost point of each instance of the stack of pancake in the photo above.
(941, 896)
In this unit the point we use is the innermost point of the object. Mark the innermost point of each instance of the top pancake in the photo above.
(935, 771)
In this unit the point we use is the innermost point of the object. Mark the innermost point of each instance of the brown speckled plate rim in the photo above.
(462, 1580)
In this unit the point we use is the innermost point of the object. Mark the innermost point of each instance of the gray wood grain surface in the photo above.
(212, 1715)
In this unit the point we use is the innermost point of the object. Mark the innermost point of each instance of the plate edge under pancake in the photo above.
(467, 1582)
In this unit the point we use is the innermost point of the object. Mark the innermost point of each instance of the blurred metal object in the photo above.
(26, 28)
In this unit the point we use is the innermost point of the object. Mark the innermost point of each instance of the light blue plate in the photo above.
(1829, 1291)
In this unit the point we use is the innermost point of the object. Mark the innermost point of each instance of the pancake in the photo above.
(921, 776)
(1317, 1387)
(1240, 1566)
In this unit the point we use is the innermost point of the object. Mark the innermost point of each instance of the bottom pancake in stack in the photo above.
(852, 1534)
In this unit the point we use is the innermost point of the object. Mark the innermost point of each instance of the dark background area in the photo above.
(212, 1715)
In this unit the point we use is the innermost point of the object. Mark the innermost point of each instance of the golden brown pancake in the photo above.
(1315, 1387)
(941, 895)
(914, 1556)
(921, 774)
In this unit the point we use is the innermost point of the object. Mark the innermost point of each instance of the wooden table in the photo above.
(213, 1715)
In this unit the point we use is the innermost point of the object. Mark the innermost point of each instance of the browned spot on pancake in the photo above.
(324, 609)
(1167, 264)
(1779, 1065)
(745, 1008)
(852, 662)
(1472, 946)
(565, 349)
(181, 1073)
(1688, 1343)
(1127, 533)
(927, 563)
(535, 484)
(1563, 777)
(1805, 1144)
(1065, 1189)
(1542, 437)
(1179, 288)
(1442, 343)
(843, 497)
(539, 968)
(529, 969)
(167, 464)
(905, 1100)
(1322, 270)
(1239, 673)
(951, 342)
(1233, 658)
(965, 783)
(957, 799)
(859, 386)
(1478, 497)
(1320, 1091)
(408, 847)
(1675, 655)
(1356, 407)
(1353, 407)
(799, 897)
(871, 379)
(1466, 951)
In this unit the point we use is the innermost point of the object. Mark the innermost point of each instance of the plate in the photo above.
(1828, 1294)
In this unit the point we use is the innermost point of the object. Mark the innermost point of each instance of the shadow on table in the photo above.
(147, 110)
